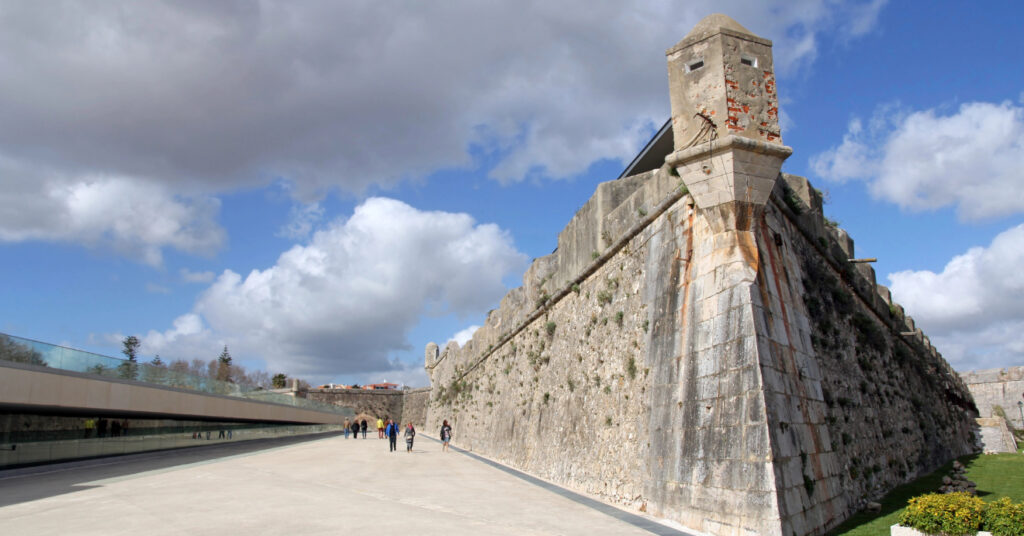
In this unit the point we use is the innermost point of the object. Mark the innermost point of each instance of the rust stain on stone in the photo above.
(789, 351)
(684, 284)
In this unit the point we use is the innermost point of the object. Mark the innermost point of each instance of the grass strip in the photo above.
(997, 475)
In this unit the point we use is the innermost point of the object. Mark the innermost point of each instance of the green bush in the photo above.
(1004, 518)
(954, 514)
(951, 514)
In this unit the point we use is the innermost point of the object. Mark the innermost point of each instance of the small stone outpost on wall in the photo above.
(699, 346)
(997, 392)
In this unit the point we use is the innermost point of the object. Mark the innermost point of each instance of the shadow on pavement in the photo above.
(607, 509)
(41, 481)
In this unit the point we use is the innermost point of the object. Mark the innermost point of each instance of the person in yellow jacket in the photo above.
(380, 428)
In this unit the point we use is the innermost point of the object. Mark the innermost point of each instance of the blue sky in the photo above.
(325, 188)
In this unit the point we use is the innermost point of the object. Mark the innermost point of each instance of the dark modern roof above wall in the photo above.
(652, 156)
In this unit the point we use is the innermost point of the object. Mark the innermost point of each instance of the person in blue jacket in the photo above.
(392, 433)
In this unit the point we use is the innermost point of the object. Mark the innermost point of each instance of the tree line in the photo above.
(19, 353)
(221, 368)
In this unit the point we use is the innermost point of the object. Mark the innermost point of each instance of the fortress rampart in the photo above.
(699, 346)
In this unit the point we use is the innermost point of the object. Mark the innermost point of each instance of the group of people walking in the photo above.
(389, 428)
(391, 432)
(355, 427)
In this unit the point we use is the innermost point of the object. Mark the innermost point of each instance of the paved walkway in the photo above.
(323, 486)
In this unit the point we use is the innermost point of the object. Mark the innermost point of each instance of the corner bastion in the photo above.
(699, 345)
(997, 393)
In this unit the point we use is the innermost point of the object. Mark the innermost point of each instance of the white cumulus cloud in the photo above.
(973, 310)
(302, 219)
(178, 102)
(924, 160)
(344, 302)
(136, 218)
(465, 335)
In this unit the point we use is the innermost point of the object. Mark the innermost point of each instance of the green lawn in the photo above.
(997, 475)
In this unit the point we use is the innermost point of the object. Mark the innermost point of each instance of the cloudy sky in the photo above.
(325, 187)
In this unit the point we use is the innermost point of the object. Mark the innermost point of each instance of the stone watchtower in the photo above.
(721, 83)
(725, 117)
(719, 470)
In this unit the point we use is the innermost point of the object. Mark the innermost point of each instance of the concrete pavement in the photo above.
(322, 486)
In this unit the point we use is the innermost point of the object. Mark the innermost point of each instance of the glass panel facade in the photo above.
(21, 350)
(31, 439)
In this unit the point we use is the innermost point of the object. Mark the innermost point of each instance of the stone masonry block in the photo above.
(756, 437)
(885, 294)
(784, 444)
(729, 416)
(779, 331)
(750, 379)
(794, 500)
(773, 380)
(704, 333)
(735, 358)
(709, 309)
(755, 408)
(707, 387)
(724, 326)
(762, 322)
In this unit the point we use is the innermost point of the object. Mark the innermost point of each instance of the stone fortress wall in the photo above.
(997, 392)
(414, 407)
(699, 347)
(403, 405)
(368, 404)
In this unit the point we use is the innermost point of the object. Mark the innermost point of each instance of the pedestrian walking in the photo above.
(446, 436)
(363, 428)
(380, 428)
(355, 429)
(347, 428)
(392, 432)
(410, 434)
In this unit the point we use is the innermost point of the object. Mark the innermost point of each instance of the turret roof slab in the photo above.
(714, 24)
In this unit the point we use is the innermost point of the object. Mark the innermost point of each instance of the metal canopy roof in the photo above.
(652, 156)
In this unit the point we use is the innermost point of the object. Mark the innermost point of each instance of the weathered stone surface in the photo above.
(367, 404)
(997, 392)
(995, 436)
(403, 405)
(430, 355)
(722, 82)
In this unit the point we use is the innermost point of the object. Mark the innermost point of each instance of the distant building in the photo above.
(384, 385)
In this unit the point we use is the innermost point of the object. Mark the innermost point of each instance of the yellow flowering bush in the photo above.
(1005, 518)
(958, 514)
(951, 514)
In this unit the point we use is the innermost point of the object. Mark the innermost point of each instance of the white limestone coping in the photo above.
(900, 530)
(715, 147)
